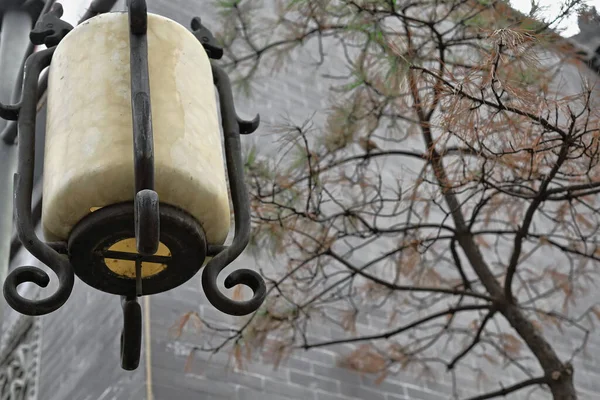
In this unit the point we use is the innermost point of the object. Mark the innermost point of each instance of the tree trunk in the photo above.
(564, 389)
(560, 375)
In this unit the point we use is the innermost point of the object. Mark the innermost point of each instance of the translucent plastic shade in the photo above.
(89, 143)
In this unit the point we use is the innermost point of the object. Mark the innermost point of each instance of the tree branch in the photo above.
(510, 389)
(389, 334)
(408, 288)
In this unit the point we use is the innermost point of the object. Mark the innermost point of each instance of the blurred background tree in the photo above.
(451, 186)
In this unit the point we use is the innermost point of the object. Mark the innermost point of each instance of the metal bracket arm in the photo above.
(241, 210)
(23, 193)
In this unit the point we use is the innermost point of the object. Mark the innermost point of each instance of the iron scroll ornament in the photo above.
(23, 189)
(241, 209)
(146, 210)
(233, 126)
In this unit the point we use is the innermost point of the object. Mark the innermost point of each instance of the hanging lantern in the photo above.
(134, 190)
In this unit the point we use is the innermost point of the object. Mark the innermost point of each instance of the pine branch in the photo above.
(510, 389)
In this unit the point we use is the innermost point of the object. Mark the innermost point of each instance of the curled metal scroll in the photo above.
(23, 193)
(241, 209)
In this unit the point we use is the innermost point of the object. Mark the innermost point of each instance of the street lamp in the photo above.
(131, 217)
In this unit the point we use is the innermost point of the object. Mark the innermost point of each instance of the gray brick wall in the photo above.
(79, 358)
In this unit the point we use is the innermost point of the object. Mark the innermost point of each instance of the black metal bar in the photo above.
(146, 204)
(23, 195)
(147, 217)
(138, 17)
(9, 134)
(138, 277)
(36, 214)
(10, 112)
(248, 127)
(241, 209)
(215, 249)
(59, 247)
(140, 101)
(14, 50)
(122, 255)
(131, 335)
(147, 221)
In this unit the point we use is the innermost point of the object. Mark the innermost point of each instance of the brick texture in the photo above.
(80, 359)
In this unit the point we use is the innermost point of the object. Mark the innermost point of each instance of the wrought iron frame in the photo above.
(146, 208)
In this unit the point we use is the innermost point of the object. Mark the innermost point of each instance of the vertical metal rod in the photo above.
(241, 209)
(138, 277)
(147, 219)
(14, 48)
(9, 135)
(146, 212)
(24, 219)
(143, 144)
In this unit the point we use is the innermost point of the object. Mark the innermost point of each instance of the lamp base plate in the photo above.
(101, 249)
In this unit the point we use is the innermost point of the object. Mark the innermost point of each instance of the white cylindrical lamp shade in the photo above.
(89, 139)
